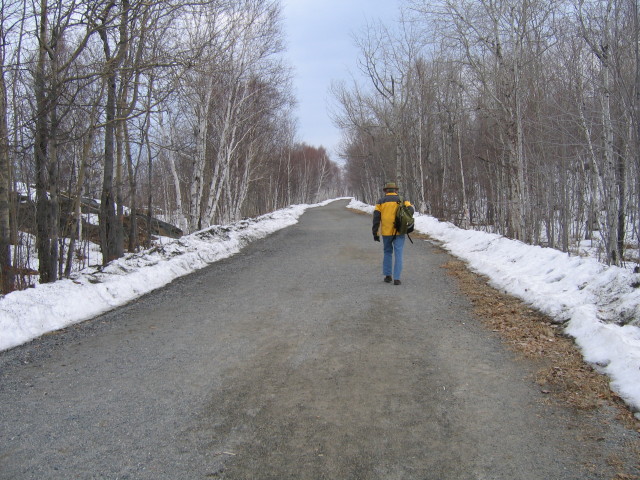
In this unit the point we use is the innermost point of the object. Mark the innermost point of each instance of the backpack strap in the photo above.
(400, 201)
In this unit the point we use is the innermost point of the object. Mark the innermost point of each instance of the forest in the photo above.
(514, 117)
(125, 119)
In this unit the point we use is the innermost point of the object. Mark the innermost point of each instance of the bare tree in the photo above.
(54, 79)
(117, 94)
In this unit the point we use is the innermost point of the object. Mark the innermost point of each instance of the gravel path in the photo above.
(291, 360)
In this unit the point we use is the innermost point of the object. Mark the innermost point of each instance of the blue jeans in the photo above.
(392, 246)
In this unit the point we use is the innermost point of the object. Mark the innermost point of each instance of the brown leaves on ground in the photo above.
(562, 371)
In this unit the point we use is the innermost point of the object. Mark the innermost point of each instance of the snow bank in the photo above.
(598, 304)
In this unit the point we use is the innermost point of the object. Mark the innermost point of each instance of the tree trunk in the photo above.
(109, 245)
(182, 221)
(465, 223)
(133, 186)
(120, 123)
(76, 224)
(226, 150)
(54, 205)
(108, 234)
(199, 161)
(636, 110)
(6, 273)
(41, 143)
(610, 180)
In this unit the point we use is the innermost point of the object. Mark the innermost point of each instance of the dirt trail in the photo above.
(293, 360)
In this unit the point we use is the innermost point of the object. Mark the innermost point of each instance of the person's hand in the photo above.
(376, 238)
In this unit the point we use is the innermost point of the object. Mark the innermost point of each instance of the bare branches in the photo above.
(517, 116)
(195, 91)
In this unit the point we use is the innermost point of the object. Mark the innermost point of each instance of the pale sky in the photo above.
(321, 49)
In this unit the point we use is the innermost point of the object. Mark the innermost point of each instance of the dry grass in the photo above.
(562, 371)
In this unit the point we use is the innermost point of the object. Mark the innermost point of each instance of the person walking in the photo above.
(384, 225)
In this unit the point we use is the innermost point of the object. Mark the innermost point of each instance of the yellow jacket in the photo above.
(384, 215)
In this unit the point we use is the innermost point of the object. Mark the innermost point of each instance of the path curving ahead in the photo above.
(291, 360)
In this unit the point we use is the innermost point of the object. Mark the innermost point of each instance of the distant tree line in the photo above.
(176, 108)
(516, 116)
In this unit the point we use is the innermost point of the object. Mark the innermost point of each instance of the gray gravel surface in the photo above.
(292, 360)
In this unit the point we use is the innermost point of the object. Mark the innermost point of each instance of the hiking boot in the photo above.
(387, 279)
(397, 282)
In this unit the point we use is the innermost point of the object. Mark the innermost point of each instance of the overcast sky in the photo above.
(321, 49)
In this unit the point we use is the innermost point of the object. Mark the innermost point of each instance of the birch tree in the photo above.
(600, 23)
(259, 39)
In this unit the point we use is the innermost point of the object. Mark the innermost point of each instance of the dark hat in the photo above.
(390, 186)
